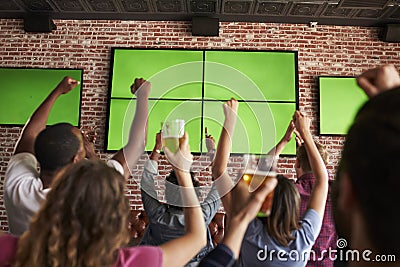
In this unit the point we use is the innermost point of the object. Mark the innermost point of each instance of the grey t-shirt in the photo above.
(260, 249)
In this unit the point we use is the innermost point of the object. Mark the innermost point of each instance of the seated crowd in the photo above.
(74, 212)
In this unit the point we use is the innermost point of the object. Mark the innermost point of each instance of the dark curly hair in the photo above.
(56, 146)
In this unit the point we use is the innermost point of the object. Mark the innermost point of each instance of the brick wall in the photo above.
(328, 50)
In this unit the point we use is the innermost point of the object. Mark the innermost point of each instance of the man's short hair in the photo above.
(303, 157)
(371, 156)
(56, 146)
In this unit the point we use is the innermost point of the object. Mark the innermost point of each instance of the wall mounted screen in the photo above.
(340, 99)
(273, 74)
(23, 90)
(193, 84)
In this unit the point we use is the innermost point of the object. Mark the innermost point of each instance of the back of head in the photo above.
(285, 212)
(56, 146)
(172, 191)
(302, 156)
(83, 221)
(371, 157)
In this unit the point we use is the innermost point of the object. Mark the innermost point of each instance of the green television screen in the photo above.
(193, 84)
(123, 110)
(258, 128)
(258, 76)
(339, 100)
(174, 74)
(25, 89)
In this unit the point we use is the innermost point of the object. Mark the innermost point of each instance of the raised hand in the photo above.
(246, 204)
(210, 141)
(66, 85)
(141, 87)
(378, 80)
(243, 210)
(182, 159)
(230, 109)
(89, 138)
(289, 132)
(301, 122)
(158, 144)
(38, 120)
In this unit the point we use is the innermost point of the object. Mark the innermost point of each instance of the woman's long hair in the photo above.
(83, 222)
(285, 212)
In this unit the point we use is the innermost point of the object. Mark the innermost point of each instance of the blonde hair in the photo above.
(83, 222)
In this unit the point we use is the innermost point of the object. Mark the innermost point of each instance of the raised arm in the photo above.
(243, 211)
(211, 203)
(130, 154)
(37, 122)
(378, 80)
(320, 190)
(89, 138)
(179, 251)
(210, 145)
(223, 152)
(155, 153)
(277, 150)
(148, 189)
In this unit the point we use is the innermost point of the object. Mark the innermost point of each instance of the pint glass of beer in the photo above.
(172, 131)
(257, 172)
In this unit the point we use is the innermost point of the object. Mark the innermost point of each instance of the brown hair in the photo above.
(285, 212)
(302, 156)
(83, 222)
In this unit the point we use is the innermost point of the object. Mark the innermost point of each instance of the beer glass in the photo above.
(258, 171)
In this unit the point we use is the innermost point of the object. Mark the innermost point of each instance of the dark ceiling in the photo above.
(333, 12)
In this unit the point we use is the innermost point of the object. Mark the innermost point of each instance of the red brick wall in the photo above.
(328, 50)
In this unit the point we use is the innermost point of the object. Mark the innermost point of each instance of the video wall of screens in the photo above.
(193, 85)
(340, 98)
(24, 89)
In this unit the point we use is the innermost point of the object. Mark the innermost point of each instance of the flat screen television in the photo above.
(193, 85)
(339, 100)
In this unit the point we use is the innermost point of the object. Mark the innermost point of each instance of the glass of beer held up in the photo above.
(172, 131)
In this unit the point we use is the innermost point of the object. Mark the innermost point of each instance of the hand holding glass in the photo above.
(257, 173)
